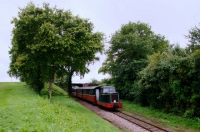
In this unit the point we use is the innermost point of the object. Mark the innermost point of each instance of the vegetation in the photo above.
(146, 70)
(49, 41)
(194, 40)
(127, 55)
(56, 91)
(94, 81)
(23, 110)
(176, 122)
(170, 83)
(169, 70)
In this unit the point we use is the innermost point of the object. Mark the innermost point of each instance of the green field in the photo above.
(23, 110)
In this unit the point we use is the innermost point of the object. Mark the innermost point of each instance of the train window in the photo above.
(91, 92)
(88, 91)
(105, 90)
(101, 90)
(109, 89)
(79, 91)
(84, 91)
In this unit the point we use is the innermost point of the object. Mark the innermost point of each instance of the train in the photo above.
(105, 96)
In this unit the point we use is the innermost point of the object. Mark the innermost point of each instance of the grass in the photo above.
(175, 122)
(56, 91)
(22, 110)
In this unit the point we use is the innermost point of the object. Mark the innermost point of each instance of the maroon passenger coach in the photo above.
(105, 96)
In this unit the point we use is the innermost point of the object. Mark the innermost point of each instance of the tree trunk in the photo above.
(70, 84)
(50, 87)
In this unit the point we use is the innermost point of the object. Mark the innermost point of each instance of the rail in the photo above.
(146, 125)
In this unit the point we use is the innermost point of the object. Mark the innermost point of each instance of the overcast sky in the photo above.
(171, 18)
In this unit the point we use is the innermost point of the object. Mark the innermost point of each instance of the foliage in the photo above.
(106, 81)
(167, 83)
(61, 81)
(94, 81)
(153, 75)
(170, 82)
(47, 40)
(22, 110)
(127, 55)
(194, 39)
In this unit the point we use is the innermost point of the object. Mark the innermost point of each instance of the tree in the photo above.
(127, 54)
(106, 82)
(47, 40)
(194, 39)
(94, 81)
(194, 49)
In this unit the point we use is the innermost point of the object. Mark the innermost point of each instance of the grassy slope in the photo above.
(55, 92)
(175, 122)
(23, 110)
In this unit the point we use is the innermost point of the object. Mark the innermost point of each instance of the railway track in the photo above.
(131, 119)
(145, 125)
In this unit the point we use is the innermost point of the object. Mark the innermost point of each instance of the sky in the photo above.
(170, 18)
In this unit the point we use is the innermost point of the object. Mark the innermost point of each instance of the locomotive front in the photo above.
(109, 98)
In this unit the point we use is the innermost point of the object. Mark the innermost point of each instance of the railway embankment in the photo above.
(21, 109)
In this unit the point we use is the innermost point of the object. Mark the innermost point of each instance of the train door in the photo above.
(97, 94)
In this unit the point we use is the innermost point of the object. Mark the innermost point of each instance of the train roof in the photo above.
(90, 87)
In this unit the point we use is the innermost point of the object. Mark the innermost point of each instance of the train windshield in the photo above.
(109, 89)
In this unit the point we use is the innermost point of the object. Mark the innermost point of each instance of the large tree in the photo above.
(127, 54)
(47, 40)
